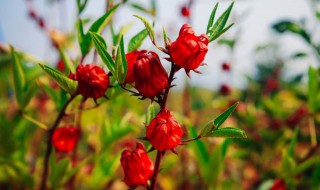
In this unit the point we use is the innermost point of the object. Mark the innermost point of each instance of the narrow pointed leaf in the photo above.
(211, 19)
(220, 24)
(99, 24)
(100, 45)
(64, 82)
(312, 88)
(67, 61)
(84, 42)
(209, 127)
(150, 114)
(121, 63)
(229, 132)
(136, 41)
(222, 118)
(18, 77)
(219, 34)
(148, 27)
(28, 94)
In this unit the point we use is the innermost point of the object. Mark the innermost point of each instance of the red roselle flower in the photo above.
(189, 50)
(226, 67)
(295, 118)
(164, 132)
(92, 80)
(271, 85)
(278, 184)
(149, 75)
(137, 166)
(225, 90)
(185, 11)
(64, 139)
(131, 59)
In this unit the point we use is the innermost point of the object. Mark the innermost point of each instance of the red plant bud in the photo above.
(185, 11)
(226, 67)
(164, 132)
(189, 50)
(225, 90)
(137, 166)
(295, 118)
(60, 66)
(41, 23)
(92, 80)
(149, 75)
(131, 59)
(64, 139)
(32, 14)
(278, 184)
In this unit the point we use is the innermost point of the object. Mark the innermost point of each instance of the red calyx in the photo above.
(64, 139)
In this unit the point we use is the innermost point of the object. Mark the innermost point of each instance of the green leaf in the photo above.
(229, 132)
(143, 9)
(222, 118)
(289, 26)
(165, 37)
(81, 5)
(148, 27)
(293, 142)
(100, 45)
(28, 94)
(209, 127)
(58, 170)
(18, 78)
(124, 29)
(218, 27)
(312, 89)
(96, 27)
(228, 42)
(99, 24)
(136, 41)
(211, 19)
(150, 114)
(84, 42)
(121, 63)
(64, 82)
(67, 61)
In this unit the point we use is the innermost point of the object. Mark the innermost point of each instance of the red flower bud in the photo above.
(41, 23)
(226, 67)
(189, 50)
(92, 80)
(64, 139)
(164, 132)
(32, 14)
(225, 90)
(271, 85)
(137, 166)
(131, 59)
(60, 66)
(150, 76)
(278, 184)
(185, 11)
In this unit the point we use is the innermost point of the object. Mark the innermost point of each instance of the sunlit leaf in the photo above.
(136, 41)
(121, 63)
(18, 78)
(100, 45)
(228, 132)
(148, 27)
(64, 82)
(312, 88)
(150, 114)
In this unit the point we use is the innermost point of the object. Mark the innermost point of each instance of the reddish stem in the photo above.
(45, 172)
(166, 93)
(156, 170)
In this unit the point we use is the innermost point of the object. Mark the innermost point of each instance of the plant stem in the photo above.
(45, 172)
(193, 139)
(166, 93)
(156, 170)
